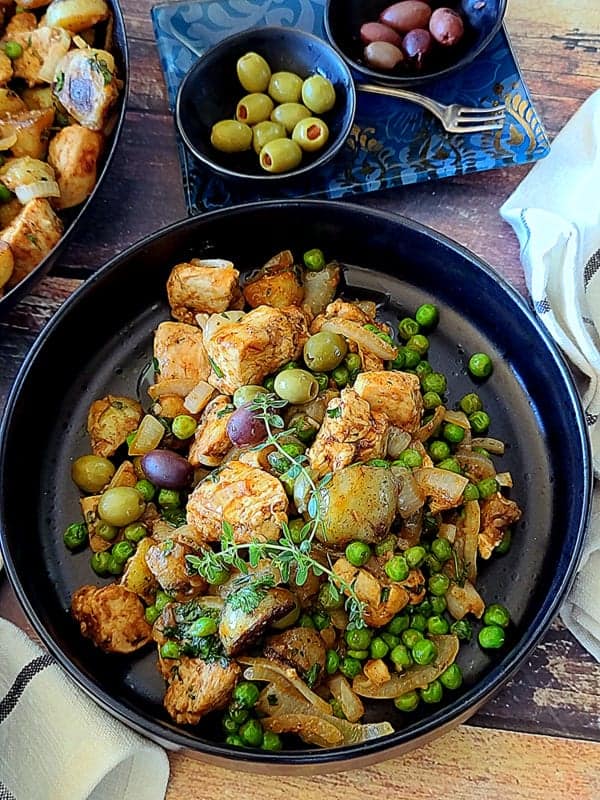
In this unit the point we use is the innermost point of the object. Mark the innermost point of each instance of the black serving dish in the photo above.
(211, 90)
(531, 399)
(343, 19)
(72, 217)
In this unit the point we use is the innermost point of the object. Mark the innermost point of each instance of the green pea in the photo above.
(439, 584)
(398, 624)
(151, 614)
(361, 655)
(424, 608)
(297, 529)
(162, 599)
(378, 462)
(407, 702)
(350, 667)
(332, 662)
(234, 741)
(314, 260)
(441, 549)
(451, 677)
(418, 622)
(318, 94)
(431, 400)
(231, 136)
(414, 556)
(269, 383)
(311, 134)
(419, 343)
(135, 532)
(408, 327)
(341, 376)
(409, 458)
(324, 351)
(330, 598)
(491, 637)
(479, 421)
(99, 563)
(271, 742)
(253, 72)
(397, 568)
(170, 649)
(424, 652)
(400, 361)
(401, 657)
(183, 426)
(321, 620)
(432, 693)
(145, 489)
(238, 713)
(304, 429)
(496, 614)
(438, 604)
(385, 337)
(285, 87)
(13, 50)
(411, 636)
(204, 626)
(120, 506)
(480, 365)
(463, 629)
(106, 531)
(122, 551)
(433, 564)
(251, 733)
(323, 380)
(439, 450)
(434, 382)
(358, 638)
(246, 693)
(471, 492)
(470, 403)
(453, 433)
(504, 546)
(487, 487)
(427, 315)
(115, 565)
(378, 648)
(390, 639)
(169, 498)
(411, 358)
(229, 725)
(76, 535)
(451, 464)
(385, 546)
(358, 553)
(423, 368)
(353, 362)
(437, 625)
(265, 132)
(296, 386)
(218, 577)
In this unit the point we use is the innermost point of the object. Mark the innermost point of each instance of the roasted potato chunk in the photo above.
(137, 576)
(167, 562)
(7, 264)
(74, 154)
(42, 48)
(6, 68)
(112, 617)
(238, 628)
(85, 83)
(75, 15)
(31, 129)
(10, 102)
(277, 284)
(110, 421)
(31, 236)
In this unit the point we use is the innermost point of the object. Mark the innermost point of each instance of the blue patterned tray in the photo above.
(392, 143)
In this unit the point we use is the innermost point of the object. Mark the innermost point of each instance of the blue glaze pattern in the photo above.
(392, 143)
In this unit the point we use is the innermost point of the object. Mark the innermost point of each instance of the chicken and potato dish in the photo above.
(58, 88)
(291, 512)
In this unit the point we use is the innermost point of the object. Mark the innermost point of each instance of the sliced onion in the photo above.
(425, 431)
(58, 46)
(494, 446)
(6, 142)
(447, 531)
(369, 307)
(417, 677)
(398, 441)
(476, 465)
(362, 336)
(505, 479)
(445, 488)
(214, 322)
(30, 191)
(463, 600)
(180, 387)
(457, 418)
(348, 699)
(320, 288)
(198, 398)
(467, 534)
(147, 437)
(410, 496)
(262, 669)
(311, 729)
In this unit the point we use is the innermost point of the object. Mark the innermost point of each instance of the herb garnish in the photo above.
(215, 367)
(99, 65)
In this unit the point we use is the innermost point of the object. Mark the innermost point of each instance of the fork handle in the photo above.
(402, 94)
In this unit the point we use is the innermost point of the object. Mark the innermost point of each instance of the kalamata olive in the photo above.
(244, 427)
(406, 15)
(446, 26)
(417, 44)
(378, 32)
(383, 55)
(166, 469)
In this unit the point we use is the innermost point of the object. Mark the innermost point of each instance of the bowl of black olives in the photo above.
(267, 103)
(411, 42)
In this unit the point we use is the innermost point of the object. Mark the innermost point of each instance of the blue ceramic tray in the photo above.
(392, 143)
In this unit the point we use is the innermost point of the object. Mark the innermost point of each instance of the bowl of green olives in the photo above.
(411, 42)
(266, 103)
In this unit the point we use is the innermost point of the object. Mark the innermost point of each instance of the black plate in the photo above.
(72, 216)
(100, 340)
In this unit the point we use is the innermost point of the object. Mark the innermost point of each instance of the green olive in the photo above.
(254, 108)
(318, 94)
(289, 115)
(231, 136)
(92, 473)
(121, 506)
(253, 72)
(311, 134)
(324, 351)
(285, 87)
(245, 394)
(264, 132)
(280, 155)
(296, 386)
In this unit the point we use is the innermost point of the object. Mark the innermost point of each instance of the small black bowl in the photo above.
(344, 18)
(211, 90)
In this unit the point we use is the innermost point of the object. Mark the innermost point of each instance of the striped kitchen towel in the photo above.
(57, 744)
(556, 215)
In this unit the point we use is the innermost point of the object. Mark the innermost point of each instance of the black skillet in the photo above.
(100, 341)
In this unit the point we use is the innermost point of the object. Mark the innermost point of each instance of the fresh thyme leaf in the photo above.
(156, 365)
(461, 569)
(334, 413)
(215, 367)
(311, 676)
(167, 546)
(248, 591)
(253, 554)
(301, 574)
(99, 65)
(226, 410)
(276, 421)
(313, 507)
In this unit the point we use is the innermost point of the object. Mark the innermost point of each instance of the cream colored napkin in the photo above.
(555, 212)
(57, 744)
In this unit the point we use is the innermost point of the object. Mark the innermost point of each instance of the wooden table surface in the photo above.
(540, 736)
